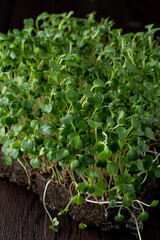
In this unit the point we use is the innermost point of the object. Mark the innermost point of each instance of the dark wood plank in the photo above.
(22, 217)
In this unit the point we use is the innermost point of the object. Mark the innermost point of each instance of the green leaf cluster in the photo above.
(80, 100)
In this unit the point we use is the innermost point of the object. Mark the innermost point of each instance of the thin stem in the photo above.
(83, 178)
(37, 27)
(67, 207)
(153, 152)
(54, 172)
(110, 181)
(70, 48)
(99, 202)
(82, 99)
(69, 109)
(74, 129)
(135, 219)
(58, 175)
(140, 202)
(27, 164)
(156, 159)
(96, 135)
(70, 190)
(145, 178)
(135, 207)
(44, 196)
(71, 174)
(25, 169)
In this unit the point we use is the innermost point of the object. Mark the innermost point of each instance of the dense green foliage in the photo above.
(81, 99)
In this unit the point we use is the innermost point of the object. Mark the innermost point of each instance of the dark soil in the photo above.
(57, 197)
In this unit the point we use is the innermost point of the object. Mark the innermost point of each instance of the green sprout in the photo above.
(80, 100)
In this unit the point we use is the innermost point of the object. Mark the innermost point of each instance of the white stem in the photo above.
(44, 196)
(153, 152)
(100, 202)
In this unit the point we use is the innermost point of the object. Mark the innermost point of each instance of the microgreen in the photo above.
(54, 221)
(82, 225)
(80, 97)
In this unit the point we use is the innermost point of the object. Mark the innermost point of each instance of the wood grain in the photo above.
(22, 217)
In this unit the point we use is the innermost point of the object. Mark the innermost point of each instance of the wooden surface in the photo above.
(22, 217)
(129, 15)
